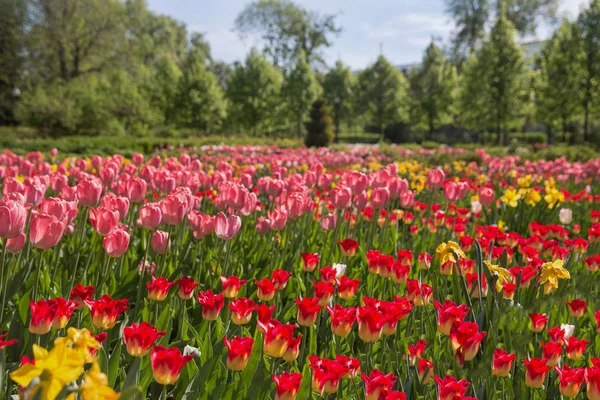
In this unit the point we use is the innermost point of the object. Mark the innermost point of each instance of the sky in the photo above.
(402, 28)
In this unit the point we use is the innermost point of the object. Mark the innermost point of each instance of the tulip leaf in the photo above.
(113, 364)
(23, 305)
(132, 373)
(253, 362)
(305, 387)
(132, 393)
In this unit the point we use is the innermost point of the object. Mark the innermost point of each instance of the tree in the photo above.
(588, 26)
(300, 89)
(69, 38)
(320, 125)
(434, 87)
(471, 17)
(287, 30)
(339, 86)
(254, 92)
(165, 75)
(383, 94)
(473, 96)
(200, 100)
(560, 71)
(12, 21)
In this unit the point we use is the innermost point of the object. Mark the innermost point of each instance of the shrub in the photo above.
(320, 129)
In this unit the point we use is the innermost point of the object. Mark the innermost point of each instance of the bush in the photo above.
(320, 129)
(530, 137)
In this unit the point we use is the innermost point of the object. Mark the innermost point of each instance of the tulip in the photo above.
(6, 343)
(407, 199)
(45, 231)
(449, 388)
(326, 374)
(287, 385)
(576, 348)
(186, 287)
(277, 219)
(376, 383)
(425, 367)
(63, 309)
(80, 294)
(174, 208)
(347, 287)
(486, 196)
(159, 288)
(160, 242)
(241, 310)
(264, 315)
(105, 311)
(570, 381)
(42, 317)
(136, 190)
(309, 261)
(277, 337)
(370, 324)
(565, 216)
(211, 304)
(536, 370)
(348, 246)
(239, 349)
(448, 313)
(465, 339)
(424, 261)
(419, 293)
(556, 334)
(502, 362)
(435, 179)
(328, 274)
(104, 220)
(576, 307)
(380, 197)
(293, 349)
(308, 310)
(265, 289)
(329, 222)
(227, 227)
(16, 244)
(116, 243)
(150, 216)
(167, 363)
(231, 286)
(89, 192)
(323, 292)
(116, 203)
(538, 322)
(279, 278)
(263, 226)
(416, 351)
(341, 197)
(139, 339)
(592, 381)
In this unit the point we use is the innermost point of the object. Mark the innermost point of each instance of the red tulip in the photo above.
(159, 288)
(105, 311)
(326, 374)
(349, 247)
(448, 313)
(241, 310)
(576, 348)
(342, 319)
(239, 349)
(538, 322)
(150, 216)
(577, 307)
(231, 286)
(80, 294)
(465, 338)
(556, 334)
(592, 380)
(279, 278)
(277, 337)
(116, 243)
(45, 231)
(88, 192)
(328, 274)
(419, 293)
(310, 261)
(139, 339)
(264, 315)
(103, 220)
(16, 244)
(425, 367)
(416, 351)
(502, 362)
(293, 349)
(400, 272)
(211, 304)
(42, 316)
(393, 312)
(287, 385)
(62, 309)
(347, 287)
(370, 324)
(449, 388)
(186, 287)
(266, 289)
(5, 343)
(376, 383)
(323, 291)
(167, 364)
(536, 370)
(227, 227)
(160, 242)
(308, 310)
(571, 380)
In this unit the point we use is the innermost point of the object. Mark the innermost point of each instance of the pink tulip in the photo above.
(277, 219)
(14, 245)
(380, 197)
(486, 196)
(69, 193)
(34, 193)
(58, 182)
(54, 206)
(262, 226)
(138, 159)
(357, 181)
(160, 242)
(150, 216)
(103, 220)
(45, 231)
(88, 192)
(116, 243)
(324, 181)
(463, 189)
(451, 192)
(435, 178)
(174, 208)
(108, 175)
(407, 199)
(205, 226)
(12, 185)
(341, 197)
(329, 222)
(396, 187)
(250, 201)
(136, 190)
(53, 152)
(227, 227)
(115, 203)
(360, 200)
(12, 218)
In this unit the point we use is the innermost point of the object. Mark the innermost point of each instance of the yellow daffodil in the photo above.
(447, 252)
(525, 181)
(54, 368)
(81, 340)
(501, 226)
(533, 197)
(503, 275)
(553, 197)
(95, 385)
(418, 183)
(551, 273)
(511, 197)
(512, 173)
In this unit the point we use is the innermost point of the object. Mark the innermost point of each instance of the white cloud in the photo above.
(414, 27)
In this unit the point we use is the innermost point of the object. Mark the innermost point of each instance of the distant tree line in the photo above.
(114, 67)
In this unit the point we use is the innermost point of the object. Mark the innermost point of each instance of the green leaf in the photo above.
(132, 373)
(132, 393)
(305, 387)
(23, 305)
(113, 364)
(255, 356)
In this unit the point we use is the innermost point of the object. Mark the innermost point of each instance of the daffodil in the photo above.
(54, 369)
(551, 273)
(533, 197)
(553, 197)
(503, 275)
(81, 340)
(448, 252)
(95, 385)
(511, 197)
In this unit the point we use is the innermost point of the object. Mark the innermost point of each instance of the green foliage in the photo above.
(163, 86)
(200, 101)
(12, 21)
(339, 85)
(253, 90)
(382, 94)
(320, 129)
(300, 90)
